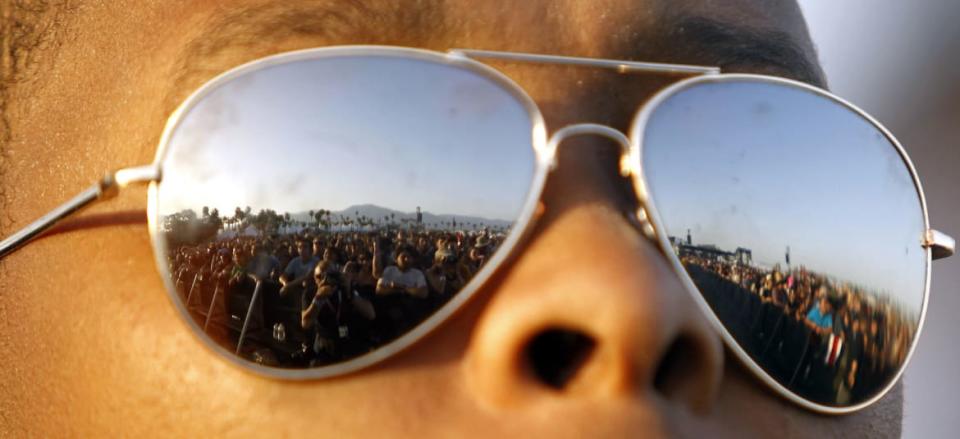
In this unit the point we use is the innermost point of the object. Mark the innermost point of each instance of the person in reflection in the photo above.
(848, 370)
(299, 269)
(446, 276)
(825, 345)
(238, 269)
(478, 254)
(364, 281)
(263, 264)
(338, 318)
(332, 259)
(402, 278)
(820, 318)
(425, 252)
(401, 294)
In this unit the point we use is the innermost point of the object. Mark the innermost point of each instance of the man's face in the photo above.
(92, 91)
(303, 251)
(318, 275)
(404, 260)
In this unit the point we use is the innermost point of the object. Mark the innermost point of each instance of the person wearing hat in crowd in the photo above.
(479, 253)
(445, 277)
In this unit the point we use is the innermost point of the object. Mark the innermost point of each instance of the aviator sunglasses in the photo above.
(316, 212)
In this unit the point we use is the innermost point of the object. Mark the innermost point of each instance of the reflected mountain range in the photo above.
(429, 219)
(191, 226)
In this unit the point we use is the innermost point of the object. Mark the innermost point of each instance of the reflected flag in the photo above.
(834, 346)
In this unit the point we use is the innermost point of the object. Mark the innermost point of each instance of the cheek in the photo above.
(752, 410)
(98, 335)
(95, 346)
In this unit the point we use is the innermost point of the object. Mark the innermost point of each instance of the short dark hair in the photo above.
(331, 278)
(406, 248)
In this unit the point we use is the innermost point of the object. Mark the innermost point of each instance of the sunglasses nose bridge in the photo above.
(639, 218)
(591, 129)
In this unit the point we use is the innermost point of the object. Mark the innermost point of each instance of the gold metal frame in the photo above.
(937, 243)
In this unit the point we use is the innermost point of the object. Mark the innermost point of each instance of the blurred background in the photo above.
(900, 62)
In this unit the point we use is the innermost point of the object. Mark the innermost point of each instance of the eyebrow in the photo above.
(738, 48)
(256, 28)
(28, 34)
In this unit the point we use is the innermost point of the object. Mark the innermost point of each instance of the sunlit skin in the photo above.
(93, 347)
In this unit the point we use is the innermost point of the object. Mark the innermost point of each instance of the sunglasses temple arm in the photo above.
(106, 188)
(941, 245)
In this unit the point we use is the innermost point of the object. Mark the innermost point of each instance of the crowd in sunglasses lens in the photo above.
(828, 340)
(307, 295)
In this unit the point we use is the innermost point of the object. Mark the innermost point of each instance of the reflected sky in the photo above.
(769, 167)
(334, 133)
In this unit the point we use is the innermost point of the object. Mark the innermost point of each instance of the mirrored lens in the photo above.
(315, 210)
(799, 222)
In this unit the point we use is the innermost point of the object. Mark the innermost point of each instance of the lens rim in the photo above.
(544, 156)
(648, 213)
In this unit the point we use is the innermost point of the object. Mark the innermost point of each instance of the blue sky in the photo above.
(335, 133)
(769, 167)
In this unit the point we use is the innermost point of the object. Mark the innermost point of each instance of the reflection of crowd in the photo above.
(318, 297)
(853, 340)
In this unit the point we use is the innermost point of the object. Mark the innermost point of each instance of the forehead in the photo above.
(768, 36)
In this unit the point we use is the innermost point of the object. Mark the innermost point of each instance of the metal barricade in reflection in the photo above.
(192, 285)
(246, 319)
(213, 300)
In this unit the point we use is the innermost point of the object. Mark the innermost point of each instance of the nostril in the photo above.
(676, 368)
(556, 355)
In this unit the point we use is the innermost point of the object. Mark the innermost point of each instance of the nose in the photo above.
(590, 310)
